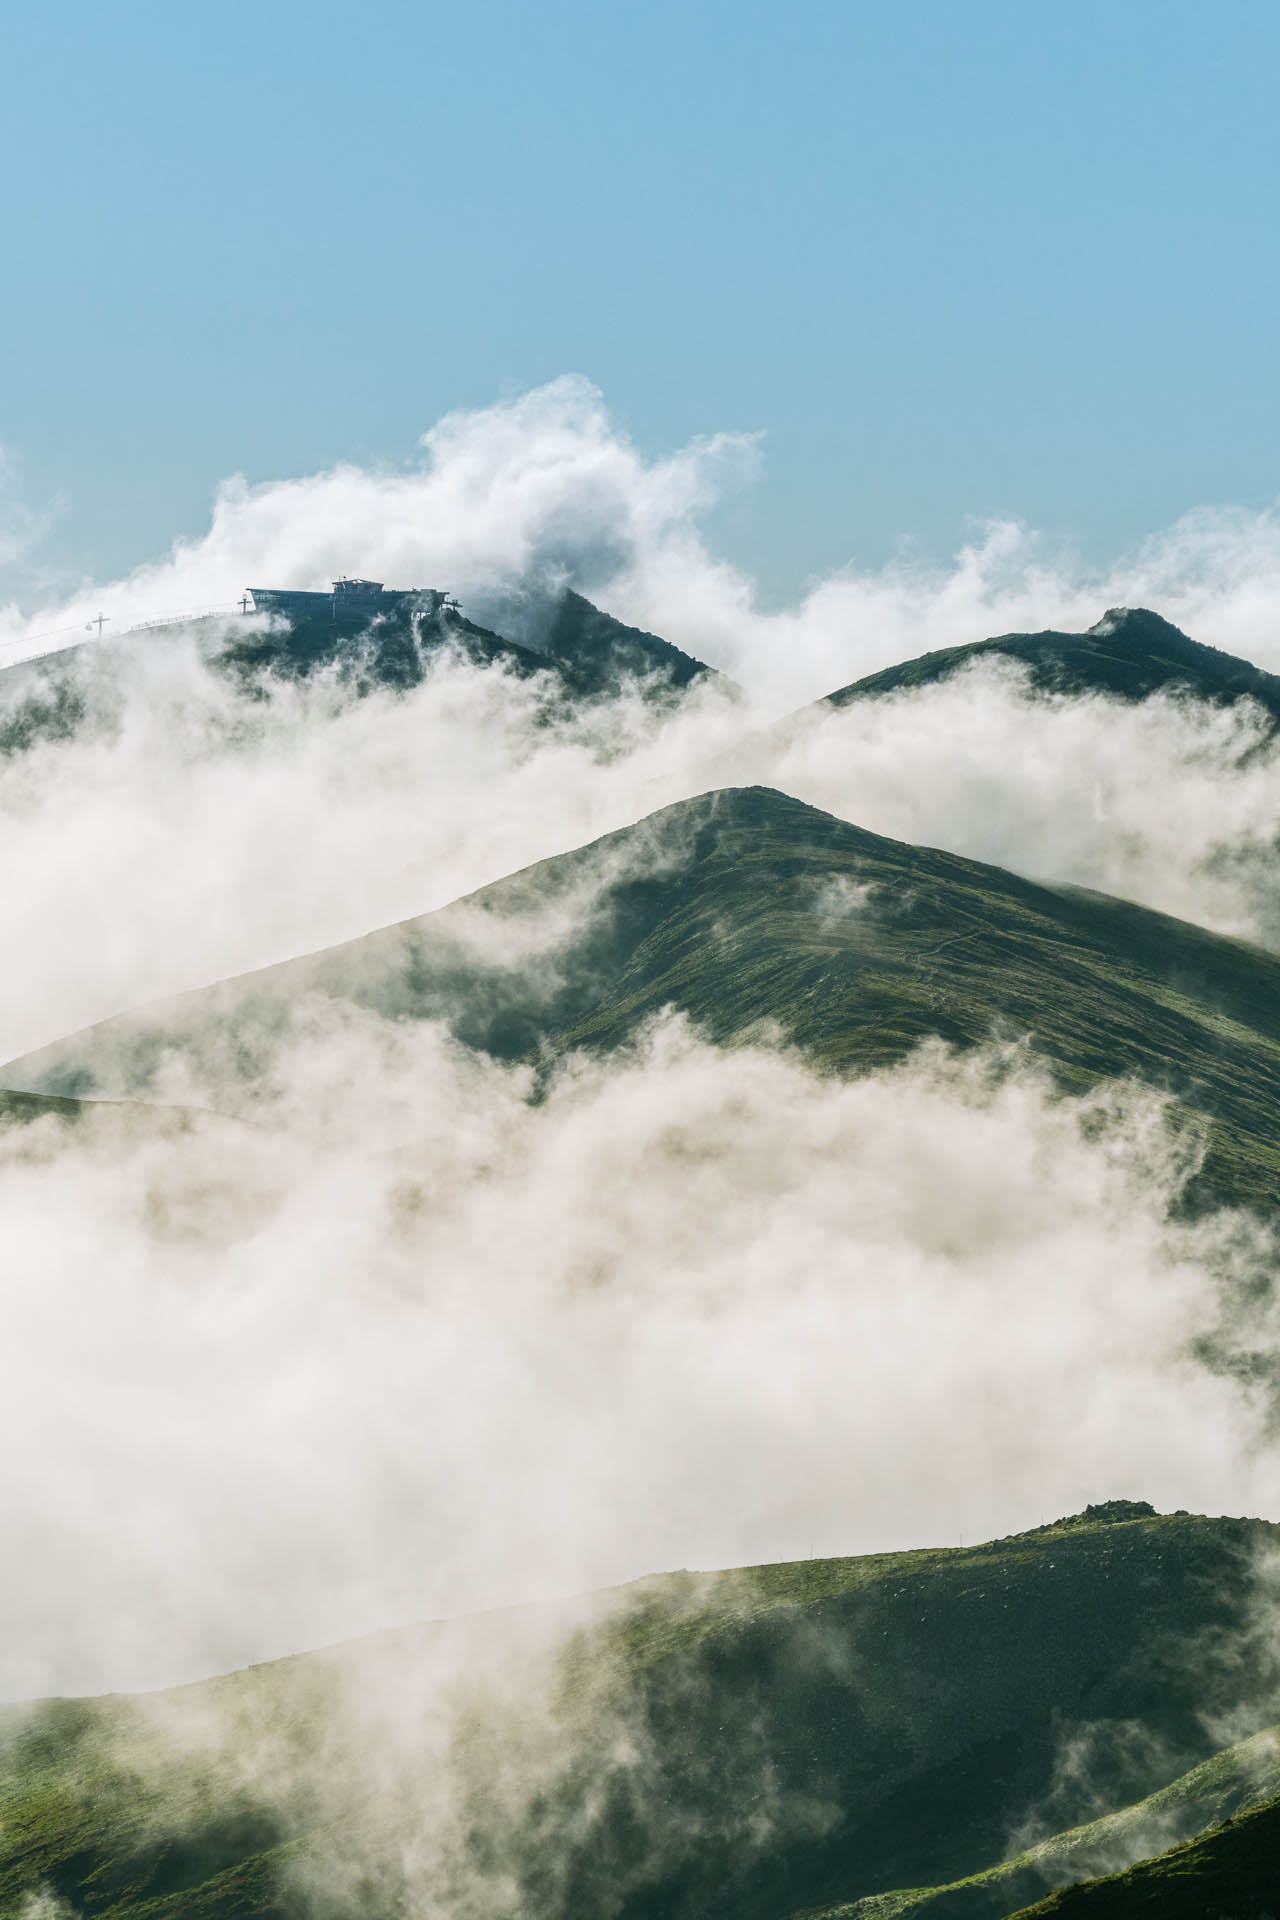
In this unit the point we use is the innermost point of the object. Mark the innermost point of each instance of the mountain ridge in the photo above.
(587, 654)
(746, 908)
(1131, 653)
(888, 1722)
(673, 1707)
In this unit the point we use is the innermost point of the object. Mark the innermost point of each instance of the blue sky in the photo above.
(953, 260)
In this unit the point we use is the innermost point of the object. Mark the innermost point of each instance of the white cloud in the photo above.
(546, 488)
(410, 1344)
(1169, 802)
(529, 492)
(188, 831)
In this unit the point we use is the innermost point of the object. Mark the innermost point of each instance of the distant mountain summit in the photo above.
(1131, 653)
(595, 647)
(590, 651)
(368, 635)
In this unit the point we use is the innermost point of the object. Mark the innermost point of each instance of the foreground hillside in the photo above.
(1231, 1873)
(1130, 654)
(752, 912)
(1229, 1804)
(760, 1744)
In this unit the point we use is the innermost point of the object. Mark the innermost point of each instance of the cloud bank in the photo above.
(1170, 802)
(408, 1344)
(403, 1341)
(547, 489)
(188, 829)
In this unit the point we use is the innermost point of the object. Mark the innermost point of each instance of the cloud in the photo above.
(532, 492)
(404, 1341)
(188, 829)
(189, 833)
(410, 1344)
(509, 499)
(1169, 802)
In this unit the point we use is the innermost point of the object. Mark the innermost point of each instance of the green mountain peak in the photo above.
(751, 911)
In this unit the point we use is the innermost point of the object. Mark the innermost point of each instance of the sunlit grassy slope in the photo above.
(752, 912)
(1130, 654)
(1229, 1787)
(760, 1744)
(1230, 1873)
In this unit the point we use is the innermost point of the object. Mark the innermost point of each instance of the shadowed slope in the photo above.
(584, 654)
(1130, 654)
(19, 1108)
(733, 1746)
(752, 912)
(394, 649)
(599, 650)
(1230, 1785)
(1230, 1873)
(52, 697)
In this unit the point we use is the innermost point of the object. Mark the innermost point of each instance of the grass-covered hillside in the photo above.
(1226, 1790)
(776, 1742)
(1130, 654)
(1230, 1873)
(752, 912)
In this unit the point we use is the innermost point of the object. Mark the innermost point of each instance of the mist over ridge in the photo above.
(640, 980)
(624, 1115)
(545, 490)
(209, 822)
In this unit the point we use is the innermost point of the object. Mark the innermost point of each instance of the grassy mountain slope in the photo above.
(19, 1108)
(757, 1744)
(1230, 1873)
(1130, 654)
(745, 908)
(1230, 1785)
